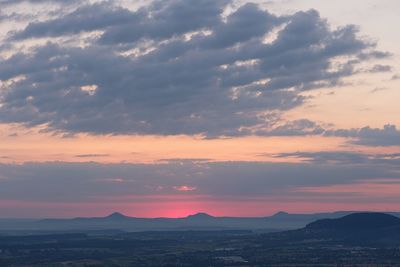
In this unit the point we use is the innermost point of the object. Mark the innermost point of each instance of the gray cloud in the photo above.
(247, 23)
(301, 127)
(380, 68)
(15, 2)
(92, 155)
(83, 19)
(375, 55)
(175, 67)
(11, 17)
(389, 135)
(396, 77)
(60, 181)
(165, 19)
(379, 89)
(343, 157)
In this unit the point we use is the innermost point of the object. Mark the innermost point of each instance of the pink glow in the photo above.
(185, 205)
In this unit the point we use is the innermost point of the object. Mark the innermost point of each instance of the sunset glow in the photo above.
(170, 108)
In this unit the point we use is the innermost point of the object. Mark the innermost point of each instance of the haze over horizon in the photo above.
(196, 214)
(167, 108)
(200, 214)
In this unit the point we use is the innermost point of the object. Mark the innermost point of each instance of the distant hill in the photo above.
(200, 216)
(201, 221)
(358, 229)
(117, 216)
(357, 221)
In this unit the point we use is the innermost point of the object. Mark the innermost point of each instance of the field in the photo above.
(186, 248)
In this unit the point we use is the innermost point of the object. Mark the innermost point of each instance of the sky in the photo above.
(165, 108)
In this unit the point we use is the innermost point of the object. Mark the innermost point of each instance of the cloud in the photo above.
(11, 17)
(247, 23)
(174, 67)
(83, 19)
(75, 182)
(343, 157)
(389, 135)
(15, 2)
(185, 188)
(375, 55)
(302, 127)
(379, 89)
(380, 68)
(91, 155)
(162, 20)
(396, 77)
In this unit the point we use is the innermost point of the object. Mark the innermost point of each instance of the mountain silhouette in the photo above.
(281, 221)
(357, 229)
(117, 216)
(281, 214)
(200, 216)
(357, 221)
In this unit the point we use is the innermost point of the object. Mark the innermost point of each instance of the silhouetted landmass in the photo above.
(117, 216)
(374, 229)
(360, 239)
(201, 221)
(357, 221)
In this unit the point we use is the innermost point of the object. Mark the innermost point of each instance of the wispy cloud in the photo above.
(92, 155)
(184, 188)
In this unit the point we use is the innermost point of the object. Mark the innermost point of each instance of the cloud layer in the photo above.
(75, 182)
(173, 67)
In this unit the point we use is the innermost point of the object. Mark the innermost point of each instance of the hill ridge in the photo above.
(362, 220)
